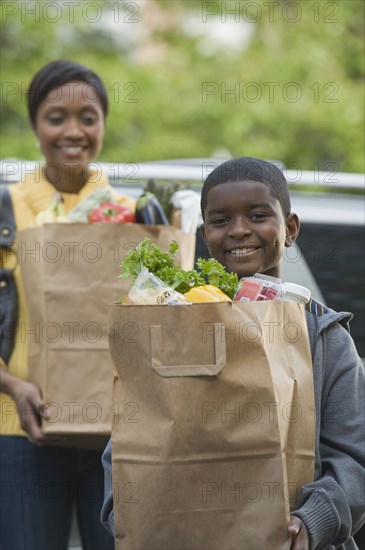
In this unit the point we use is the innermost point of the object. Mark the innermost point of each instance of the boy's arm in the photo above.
(332, 508)
(107, 511)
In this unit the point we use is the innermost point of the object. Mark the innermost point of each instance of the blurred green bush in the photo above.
(273, 79)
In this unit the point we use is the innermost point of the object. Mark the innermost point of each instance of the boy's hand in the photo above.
(299, 533)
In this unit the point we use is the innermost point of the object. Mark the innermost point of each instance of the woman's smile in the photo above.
(70, 129)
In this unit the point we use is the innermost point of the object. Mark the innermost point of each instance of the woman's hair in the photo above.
(56, 74)
(249, 169)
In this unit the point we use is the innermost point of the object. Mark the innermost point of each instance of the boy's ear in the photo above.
(292, 229)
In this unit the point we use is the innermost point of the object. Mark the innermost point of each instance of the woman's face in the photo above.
(70, 125)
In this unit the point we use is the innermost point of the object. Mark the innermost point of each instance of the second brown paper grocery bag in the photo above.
(70, 274)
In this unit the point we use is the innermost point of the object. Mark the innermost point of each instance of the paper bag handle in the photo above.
(187, 370)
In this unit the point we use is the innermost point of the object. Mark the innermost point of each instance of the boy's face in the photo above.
(245, 228)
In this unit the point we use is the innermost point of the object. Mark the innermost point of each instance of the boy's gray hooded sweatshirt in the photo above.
(332, 507)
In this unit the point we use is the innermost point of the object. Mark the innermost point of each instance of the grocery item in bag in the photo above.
(263, 287)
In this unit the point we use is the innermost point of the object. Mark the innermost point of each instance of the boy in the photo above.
(247, 223)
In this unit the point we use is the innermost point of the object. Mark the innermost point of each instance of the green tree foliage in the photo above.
(181, 86)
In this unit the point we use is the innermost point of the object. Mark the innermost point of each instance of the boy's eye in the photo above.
(258, 216)
(219, 221)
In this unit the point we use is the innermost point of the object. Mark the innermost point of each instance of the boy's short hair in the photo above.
(56, 74)
(249, 169)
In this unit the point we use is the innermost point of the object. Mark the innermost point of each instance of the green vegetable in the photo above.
(162, 264)
(150, 256)
(217, 275)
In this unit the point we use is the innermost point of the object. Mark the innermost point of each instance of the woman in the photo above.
(67, 105)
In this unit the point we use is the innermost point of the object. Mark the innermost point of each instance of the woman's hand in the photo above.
(299, 533)
(30, 407)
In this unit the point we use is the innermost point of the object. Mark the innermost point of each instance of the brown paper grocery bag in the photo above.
(215, 431)
(70, 274)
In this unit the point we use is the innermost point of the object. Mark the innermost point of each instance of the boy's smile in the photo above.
(245, 228)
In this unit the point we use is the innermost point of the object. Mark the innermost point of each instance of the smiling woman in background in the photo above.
(67, 105)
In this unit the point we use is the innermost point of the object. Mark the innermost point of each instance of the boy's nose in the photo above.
(239, 228)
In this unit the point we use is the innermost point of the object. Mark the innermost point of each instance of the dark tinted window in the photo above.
(335, 255)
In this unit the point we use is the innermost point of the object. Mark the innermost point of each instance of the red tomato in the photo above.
(111, 212)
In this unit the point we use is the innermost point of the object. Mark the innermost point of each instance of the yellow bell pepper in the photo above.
(206, 293)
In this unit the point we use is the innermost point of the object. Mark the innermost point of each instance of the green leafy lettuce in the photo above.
(162, 264)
